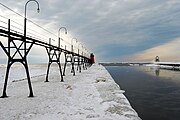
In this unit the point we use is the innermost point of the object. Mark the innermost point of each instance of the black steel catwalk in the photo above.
(22, 50)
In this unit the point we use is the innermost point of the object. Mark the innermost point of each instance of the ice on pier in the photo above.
(92, 94)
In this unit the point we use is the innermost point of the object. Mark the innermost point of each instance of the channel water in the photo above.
(154, 93)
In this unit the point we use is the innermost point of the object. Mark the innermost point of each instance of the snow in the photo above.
(167, 65)
(91, 95)
(16, 69)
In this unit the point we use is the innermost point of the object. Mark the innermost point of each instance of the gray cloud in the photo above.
(136, 24)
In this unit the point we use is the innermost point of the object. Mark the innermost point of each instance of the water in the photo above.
(153, 93)
(17, 71)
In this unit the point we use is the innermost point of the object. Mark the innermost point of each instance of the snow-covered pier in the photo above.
(91, 95)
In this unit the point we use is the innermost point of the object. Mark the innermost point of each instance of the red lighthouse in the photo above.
(92, 58)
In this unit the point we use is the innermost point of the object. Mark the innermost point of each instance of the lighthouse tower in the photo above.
(157, 59)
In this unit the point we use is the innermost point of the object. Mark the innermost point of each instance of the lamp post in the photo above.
(25, 19)
(82, 49)
(78, 47)
(79, 58)
(85, 54)
(72, 43)
(59, 37)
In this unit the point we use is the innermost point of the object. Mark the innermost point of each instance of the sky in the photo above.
(114, 30)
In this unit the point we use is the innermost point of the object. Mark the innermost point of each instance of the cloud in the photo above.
(167, 52)
(111, 29)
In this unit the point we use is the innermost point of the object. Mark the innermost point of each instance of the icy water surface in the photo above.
(17, 71)
(153, 93)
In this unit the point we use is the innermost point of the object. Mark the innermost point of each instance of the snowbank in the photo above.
(91, 95)
(169, 66)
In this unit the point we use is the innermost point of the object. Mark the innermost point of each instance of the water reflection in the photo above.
(153, 92)
(157, 71)
(163, 74)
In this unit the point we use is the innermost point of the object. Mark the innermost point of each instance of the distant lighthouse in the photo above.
(157, 59)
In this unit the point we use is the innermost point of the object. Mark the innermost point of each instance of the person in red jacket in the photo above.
(92, 58)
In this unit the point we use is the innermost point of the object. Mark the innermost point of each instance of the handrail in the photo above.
(37, 42)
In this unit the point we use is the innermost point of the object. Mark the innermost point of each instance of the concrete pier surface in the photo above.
(90, 95)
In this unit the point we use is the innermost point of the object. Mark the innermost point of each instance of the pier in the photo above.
(18, 44)
(91, 94)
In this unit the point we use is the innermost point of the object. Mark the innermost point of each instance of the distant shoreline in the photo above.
(124, 64)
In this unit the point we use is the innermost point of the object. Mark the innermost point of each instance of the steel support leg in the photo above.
(60, 72)
(54, 56)
(6, 80)
(47, 75)
(73, 71)
(72, 64)
(79, 68)
(64, 67)
(80, 65)
(28, 77)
